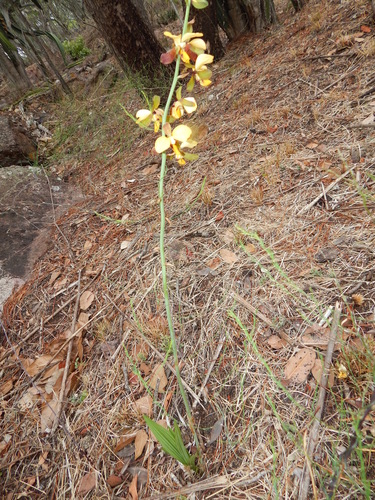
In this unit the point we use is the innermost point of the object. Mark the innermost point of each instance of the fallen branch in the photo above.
(253, 309)
(67, 362)
(222, 482)
(307, 470)
(331, 186)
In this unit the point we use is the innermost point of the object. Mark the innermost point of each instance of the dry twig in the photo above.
(305, 480)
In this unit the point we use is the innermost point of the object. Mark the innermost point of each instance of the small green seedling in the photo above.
(172, 443)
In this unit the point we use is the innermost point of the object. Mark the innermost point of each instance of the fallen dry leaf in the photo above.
(141, 472)
(125, 441)
(54, 277)
(158, 377)
(6, 387)
(228, 256)
(125, 244)
(38, 364)
(87, 245)
(214, 263)
(227, 237)
(86, 300)
(317, 371)
(250, 248)
(365, 29)
(141, 439)
(276, 342)
(312, 145)
(87, 483)
(368, 120)
(48, 416)
(133, 488)
(114, 481)
(144, 405)
(151, 169)
(299, 365)
(216, 430)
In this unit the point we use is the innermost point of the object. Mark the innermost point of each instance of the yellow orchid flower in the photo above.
(186, 104)
(200, 72)
(177, 139)
(187, 46)
(146, 116)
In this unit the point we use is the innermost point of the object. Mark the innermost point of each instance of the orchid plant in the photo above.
(191, 62)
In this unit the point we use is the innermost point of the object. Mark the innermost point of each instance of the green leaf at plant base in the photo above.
(171, 442)
(199, 4)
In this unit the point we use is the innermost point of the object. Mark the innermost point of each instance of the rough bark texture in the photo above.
(14, 72)
(130, 38)
(206, 22)
(298, 4)
(237, 17)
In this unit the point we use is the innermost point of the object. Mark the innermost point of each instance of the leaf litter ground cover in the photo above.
(270, 228)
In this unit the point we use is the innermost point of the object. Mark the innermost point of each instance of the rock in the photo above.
(16, 146)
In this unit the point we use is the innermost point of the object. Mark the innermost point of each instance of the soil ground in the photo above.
(269, 233)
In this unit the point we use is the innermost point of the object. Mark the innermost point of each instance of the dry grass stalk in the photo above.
(313, 438)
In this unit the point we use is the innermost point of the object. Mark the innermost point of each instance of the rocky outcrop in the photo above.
(16, 145)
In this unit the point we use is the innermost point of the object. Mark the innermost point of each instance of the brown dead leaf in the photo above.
(151, 169)
(87, 245)
(125, 441)
(250, 248)
(145, 369)
(87, 483)
(299, 365)
(316, 336)
(48, 416)
(38, 364)
(276, 342)
(86, 300)
(365, 29)
(144, 405)
(228, 256)
(83, 318)
(312, 145)
(114, 481)
(227, 237)
(158, 377)
(141, 439)
(6, 387)
(54, 277)
(216, 430)
(53, 383)
(214, 263)
(133, 488)
(28, 399)
(317, 371)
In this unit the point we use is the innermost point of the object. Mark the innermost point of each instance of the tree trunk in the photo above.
(237, 17)
(14, 72)
(206, 22)
(130, 38)
(298, 4)
(42, 48)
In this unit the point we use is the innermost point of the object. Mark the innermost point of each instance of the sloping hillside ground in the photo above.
(267, 231)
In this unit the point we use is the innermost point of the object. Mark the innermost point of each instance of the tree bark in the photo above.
(14, 72)
(237, 17)
(130, 38)
(298, 4)
(206, 22)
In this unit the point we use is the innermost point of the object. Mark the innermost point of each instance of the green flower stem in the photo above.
(163, 171)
